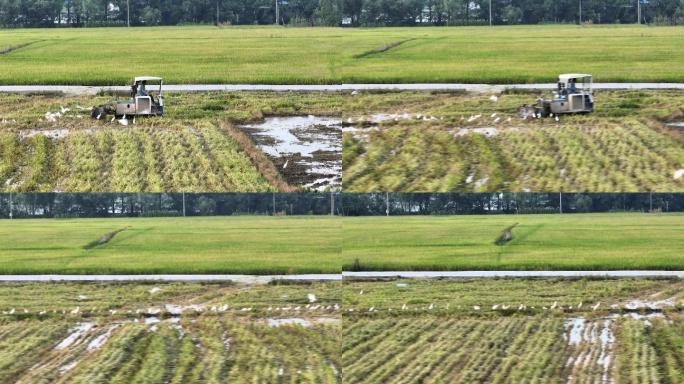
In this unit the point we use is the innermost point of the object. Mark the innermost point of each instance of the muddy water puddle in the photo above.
(307, 150)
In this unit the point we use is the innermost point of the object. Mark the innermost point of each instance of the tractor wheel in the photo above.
(544, 110)
(98, 113)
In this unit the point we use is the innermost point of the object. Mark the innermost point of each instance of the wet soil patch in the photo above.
(306, 150)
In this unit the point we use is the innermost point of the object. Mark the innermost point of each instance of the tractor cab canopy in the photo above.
(575, 82)
(145, 80)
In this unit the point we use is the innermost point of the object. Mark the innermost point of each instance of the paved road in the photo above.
(265, 279)
(510, 274)
(246, 279)
(481, 88)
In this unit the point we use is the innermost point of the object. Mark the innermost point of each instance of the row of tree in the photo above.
(49, 13)
(62, 205)
(374, 204)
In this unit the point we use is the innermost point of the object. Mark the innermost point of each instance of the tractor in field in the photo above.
(142, 102)
(572, 95)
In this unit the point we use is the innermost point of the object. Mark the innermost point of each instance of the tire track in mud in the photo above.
(30, 343)
(412, 177)
(556, 146)
(105, 145)
(200, 164)
(17, 173)
(154, 161)
(205, 150)
(370, 168)
(453, 360)
(54, 363)
(465, 341)
(660, 131)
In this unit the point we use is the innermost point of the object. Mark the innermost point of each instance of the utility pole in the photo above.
(183, 204)
(386, 203)
(650, 200)
(515, 200)
(128, 13)
(11, 214)
(217, 13)
(639, 12)
(580, 12)
(274, 213)
(277, 13)
(490, 13)
(332, 203)
(561, 201)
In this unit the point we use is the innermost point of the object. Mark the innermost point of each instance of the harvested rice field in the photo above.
(169, 333)
(513, 331)
(411, 142)
(203, 144)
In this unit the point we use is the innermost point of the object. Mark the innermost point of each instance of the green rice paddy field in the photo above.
(611, 241)
(506, 54)
(317, 244)
(252, 245)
